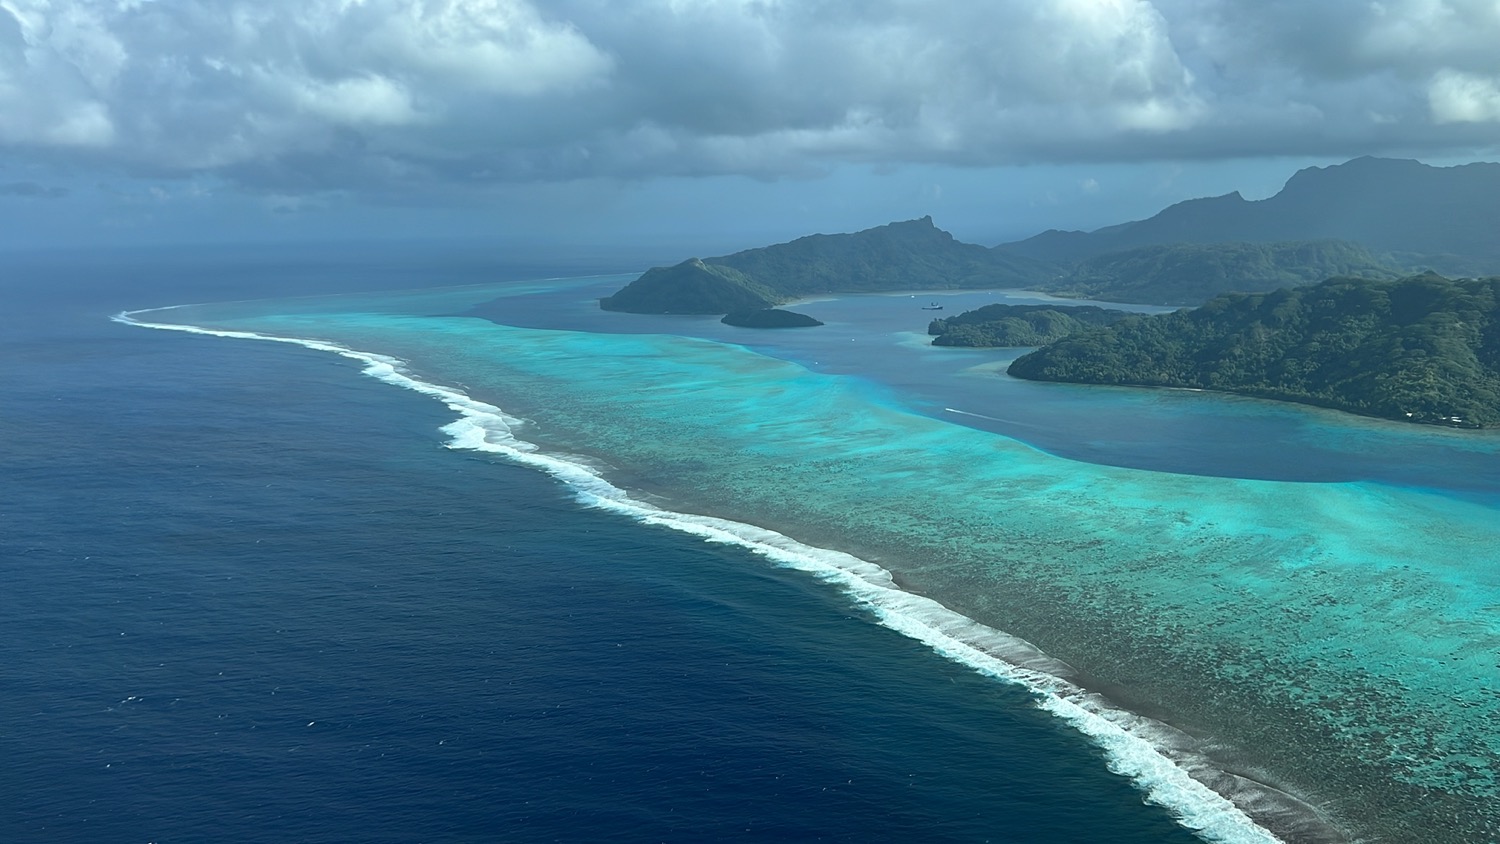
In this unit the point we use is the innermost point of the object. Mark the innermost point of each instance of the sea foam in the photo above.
(1158, 759)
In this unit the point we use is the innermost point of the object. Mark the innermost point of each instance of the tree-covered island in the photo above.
(1018, 325)
(691, 287)
(769, 318)
(1421, 349)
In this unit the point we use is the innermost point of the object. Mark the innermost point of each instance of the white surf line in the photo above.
(1134, 746)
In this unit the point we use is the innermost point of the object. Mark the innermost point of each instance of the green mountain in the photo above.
(1017, 325)
(912, 255)
(691, 287)
(1193, 273)
(1361, 218)
(1423, 349)
(1422, 216)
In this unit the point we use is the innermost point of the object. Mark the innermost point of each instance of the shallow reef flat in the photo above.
(1336, 641)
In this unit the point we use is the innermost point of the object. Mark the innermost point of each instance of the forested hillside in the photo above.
(1193, 273)
(911, 255)
(1424, 348)
(1017, 325)
(691, 287)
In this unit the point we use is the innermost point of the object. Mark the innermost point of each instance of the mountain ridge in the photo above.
(904, 255)
(1193, 273)
(1391, 215)
(1421, 215)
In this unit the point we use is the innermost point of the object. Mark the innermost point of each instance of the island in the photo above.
(1369, 218)
(1193, 273)
(691, 287)
(770, 318)
(909, 255)
(1018, 325)
(1421, 349)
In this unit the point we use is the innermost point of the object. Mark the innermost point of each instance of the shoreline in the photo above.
(1278, 398)
(1160, 760)
(1279, 694)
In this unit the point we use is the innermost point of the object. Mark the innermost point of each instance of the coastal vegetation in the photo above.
(1423, 348)
(1017, 325)
(691, 287)
(1193, 273)
(770, 318)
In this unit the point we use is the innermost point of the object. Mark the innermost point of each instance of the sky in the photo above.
(705, 125)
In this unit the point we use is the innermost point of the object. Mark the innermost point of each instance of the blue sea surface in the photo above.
(1275, 621)
(250, 595)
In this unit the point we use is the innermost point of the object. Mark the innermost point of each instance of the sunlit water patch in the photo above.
(1335, 641)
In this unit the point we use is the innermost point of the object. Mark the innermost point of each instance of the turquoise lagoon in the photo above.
(1278, 622)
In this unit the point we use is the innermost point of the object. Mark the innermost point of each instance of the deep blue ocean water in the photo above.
(248, 595)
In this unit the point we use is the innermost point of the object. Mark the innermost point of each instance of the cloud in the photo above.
(194, 85)
(374, 100)
(393, 96)
(32, 190)
(1458, 97)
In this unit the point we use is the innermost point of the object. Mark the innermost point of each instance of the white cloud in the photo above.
(372, 99)
(84, 124)
(498, 46)
(1458, 97)
(300, 94)
(198, 84)
(1159, 114)
(1423, 31)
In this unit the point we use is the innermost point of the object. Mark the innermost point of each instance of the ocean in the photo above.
(605, 577)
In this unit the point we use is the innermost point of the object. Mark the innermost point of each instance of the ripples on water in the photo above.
(249, 596)
(1337, 640)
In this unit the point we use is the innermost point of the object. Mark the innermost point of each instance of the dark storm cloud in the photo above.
(399, 94)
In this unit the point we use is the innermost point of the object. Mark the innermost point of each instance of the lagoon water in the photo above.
(824, 554)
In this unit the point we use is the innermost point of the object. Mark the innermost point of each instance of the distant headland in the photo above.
(911, 255)
(1322, 294)
(1370, 218)
(1420, 349)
